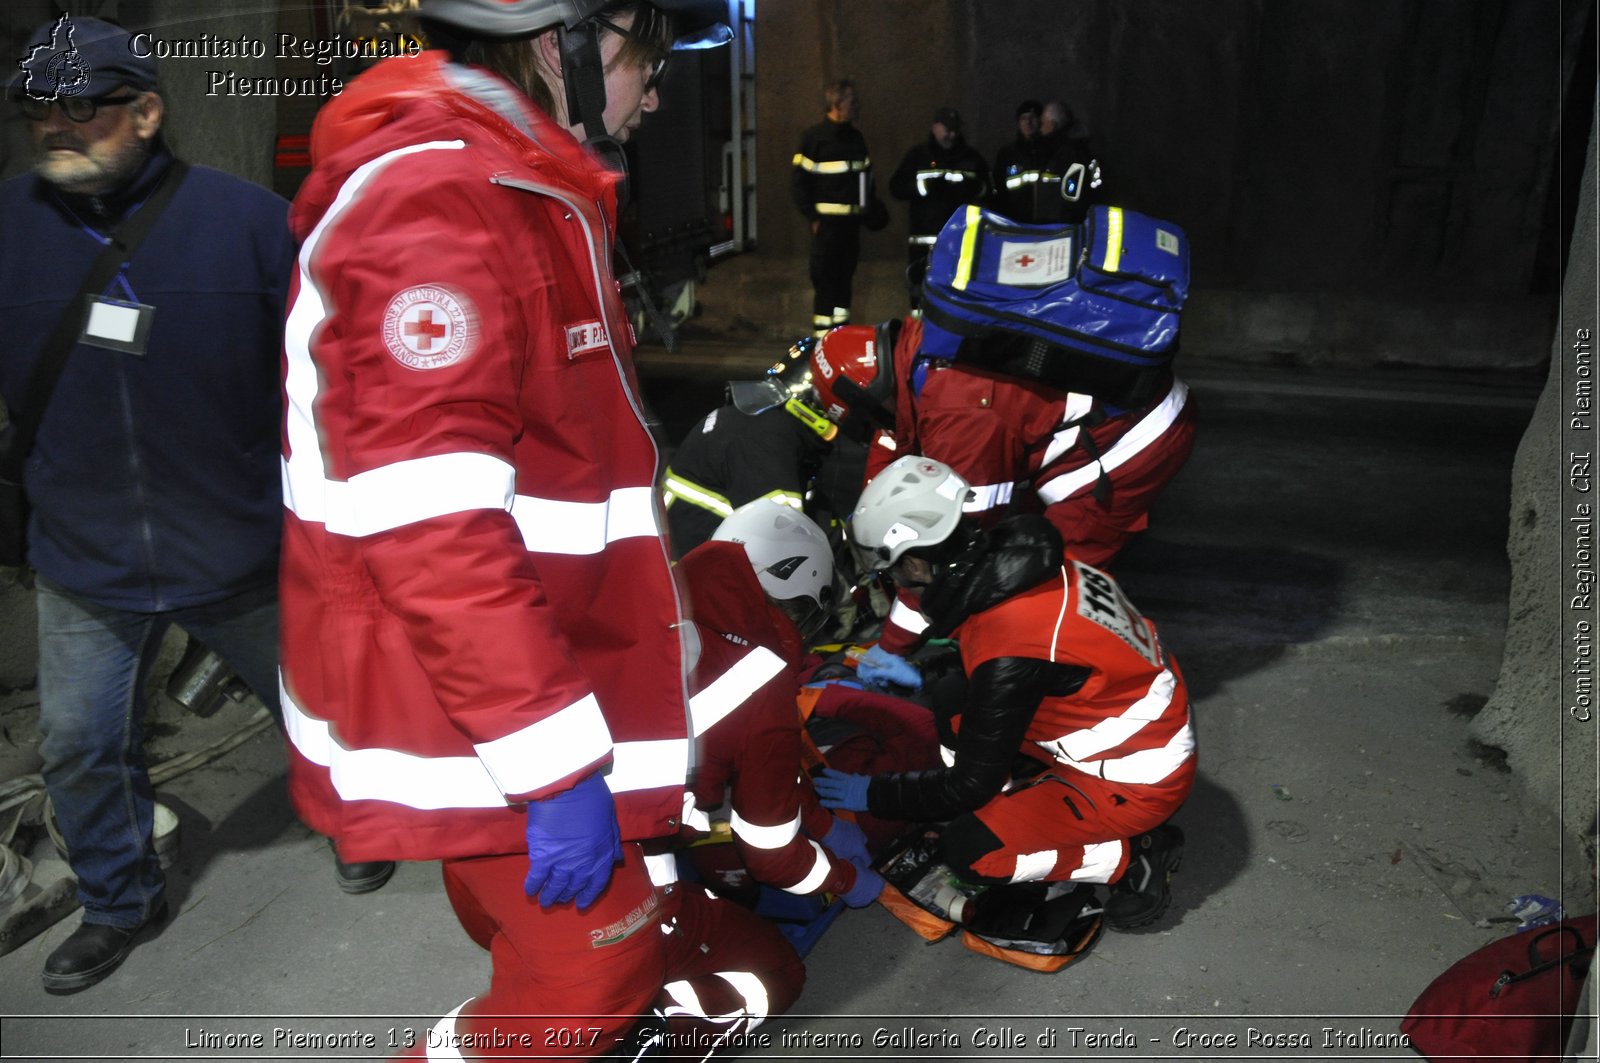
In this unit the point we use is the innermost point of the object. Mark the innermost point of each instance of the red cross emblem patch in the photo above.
(429, 327)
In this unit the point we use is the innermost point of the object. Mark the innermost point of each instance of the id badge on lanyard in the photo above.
(118, 324)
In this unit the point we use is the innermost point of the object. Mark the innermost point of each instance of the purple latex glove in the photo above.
(838, 789)
(847, 841)
(573, 842)
(868, 885)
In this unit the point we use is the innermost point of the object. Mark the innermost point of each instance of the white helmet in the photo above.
(914, 503)
(791, 556)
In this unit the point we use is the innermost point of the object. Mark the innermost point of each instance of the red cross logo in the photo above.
(1026, 260)
(425, 330)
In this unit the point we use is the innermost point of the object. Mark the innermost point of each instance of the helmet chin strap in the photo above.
(584, 75)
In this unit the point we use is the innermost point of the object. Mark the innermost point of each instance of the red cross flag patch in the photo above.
(1036, 263)
(429, 327)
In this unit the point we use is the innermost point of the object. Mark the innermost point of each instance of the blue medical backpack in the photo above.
(1091, 308)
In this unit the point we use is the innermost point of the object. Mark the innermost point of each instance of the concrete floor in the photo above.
(1330, 570)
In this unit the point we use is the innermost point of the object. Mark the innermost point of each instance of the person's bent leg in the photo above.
(565, 984)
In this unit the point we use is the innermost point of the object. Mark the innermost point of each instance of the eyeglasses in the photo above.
(658, 66)
(77, 108)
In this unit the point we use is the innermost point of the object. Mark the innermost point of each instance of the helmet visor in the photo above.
(758, 396)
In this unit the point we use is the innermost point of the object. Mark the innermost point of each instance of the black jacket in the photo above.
(938, 181)
(1012, 557)
(832, 176)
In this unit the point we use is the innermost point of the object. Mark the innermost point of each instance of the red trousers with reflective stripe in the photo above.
(1070, 813)
(568, 984)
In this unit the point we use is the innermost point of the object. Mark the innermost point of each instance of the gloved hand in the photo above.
(847, 841)
(838, 789)
(878, 665)
(868, 885)
(573, 841)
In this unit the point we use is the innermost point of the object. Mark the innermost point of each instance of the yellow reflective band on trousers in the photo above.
(837, 208)
(969, 244)
(1113, 239)
(674, 487)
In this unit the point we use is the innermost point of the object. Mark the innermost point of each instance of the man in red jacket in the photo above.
(1060, 668)
(482, 649)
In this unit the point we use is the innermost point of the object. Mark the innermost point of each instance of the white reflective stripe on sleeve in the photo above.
(662, 867)
(813, 880)
(406, 492)
(1031, 867)
(757, 1005)
(1115, 730)
(1100, 861)
(985, 497)
(550, 526)
(906, 618)
(304, 471)
(1141, 435)
(522, 761)
(442, 1044)
(685, 1000)
(730, 689)
(760, 837)
(1074, 409)
(379, 774)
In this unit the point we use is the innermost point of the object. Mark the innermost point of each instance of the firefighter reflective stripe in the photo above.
(521, 762)
(906, 618)
(837, 208)
(924, 177)
(1146, 766)
(820, 867)
(442, 1043)
(732, 688)
(674, 486)
(1031, 177)
(553, 526)
(969, 244)
(417, 781)
(304, 472)
(1077, 407)
(831, 166)
(985, 497)
(760, 837)
(662, 868)
(745, 985)
(1141, 435)
(1113, 239)
(792, 499)
(923, 241)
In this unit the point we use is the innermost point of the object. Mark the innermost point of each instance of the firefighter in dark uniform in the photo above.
(1074, 168)
(938, 177)
(832, 185)
(1023, 178)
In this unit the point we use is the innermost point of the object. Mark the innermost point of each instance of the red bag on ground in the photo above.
(1513, 999)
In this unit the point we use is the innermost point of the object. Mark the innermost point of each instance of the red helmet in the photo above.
(846, 379)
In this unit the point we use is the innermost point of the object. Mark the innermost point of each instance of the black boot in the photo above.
(92, 952)
(1143, 892)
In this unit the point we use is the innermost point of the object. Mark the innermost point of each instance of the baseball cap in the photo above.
(80, 56)
(948, 117)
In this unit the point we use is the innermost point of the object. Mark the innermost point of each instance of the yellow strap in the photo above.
(969, 244)
(1113, 239)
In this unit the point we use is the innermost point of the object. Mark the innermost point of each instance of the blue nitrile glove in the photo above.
(868, 885)
(847, 841)
(573, 841)
(878, 665)
(838, 789)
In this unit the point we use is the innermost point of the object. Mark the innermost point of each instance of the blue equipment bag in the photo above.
(1091, 308)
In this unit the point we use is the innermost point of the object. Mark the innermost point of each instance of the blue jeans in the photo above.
(93, 661)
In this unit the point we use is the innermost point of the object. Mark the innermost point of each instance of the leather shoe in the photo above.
(92, 952)
(363, 877)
